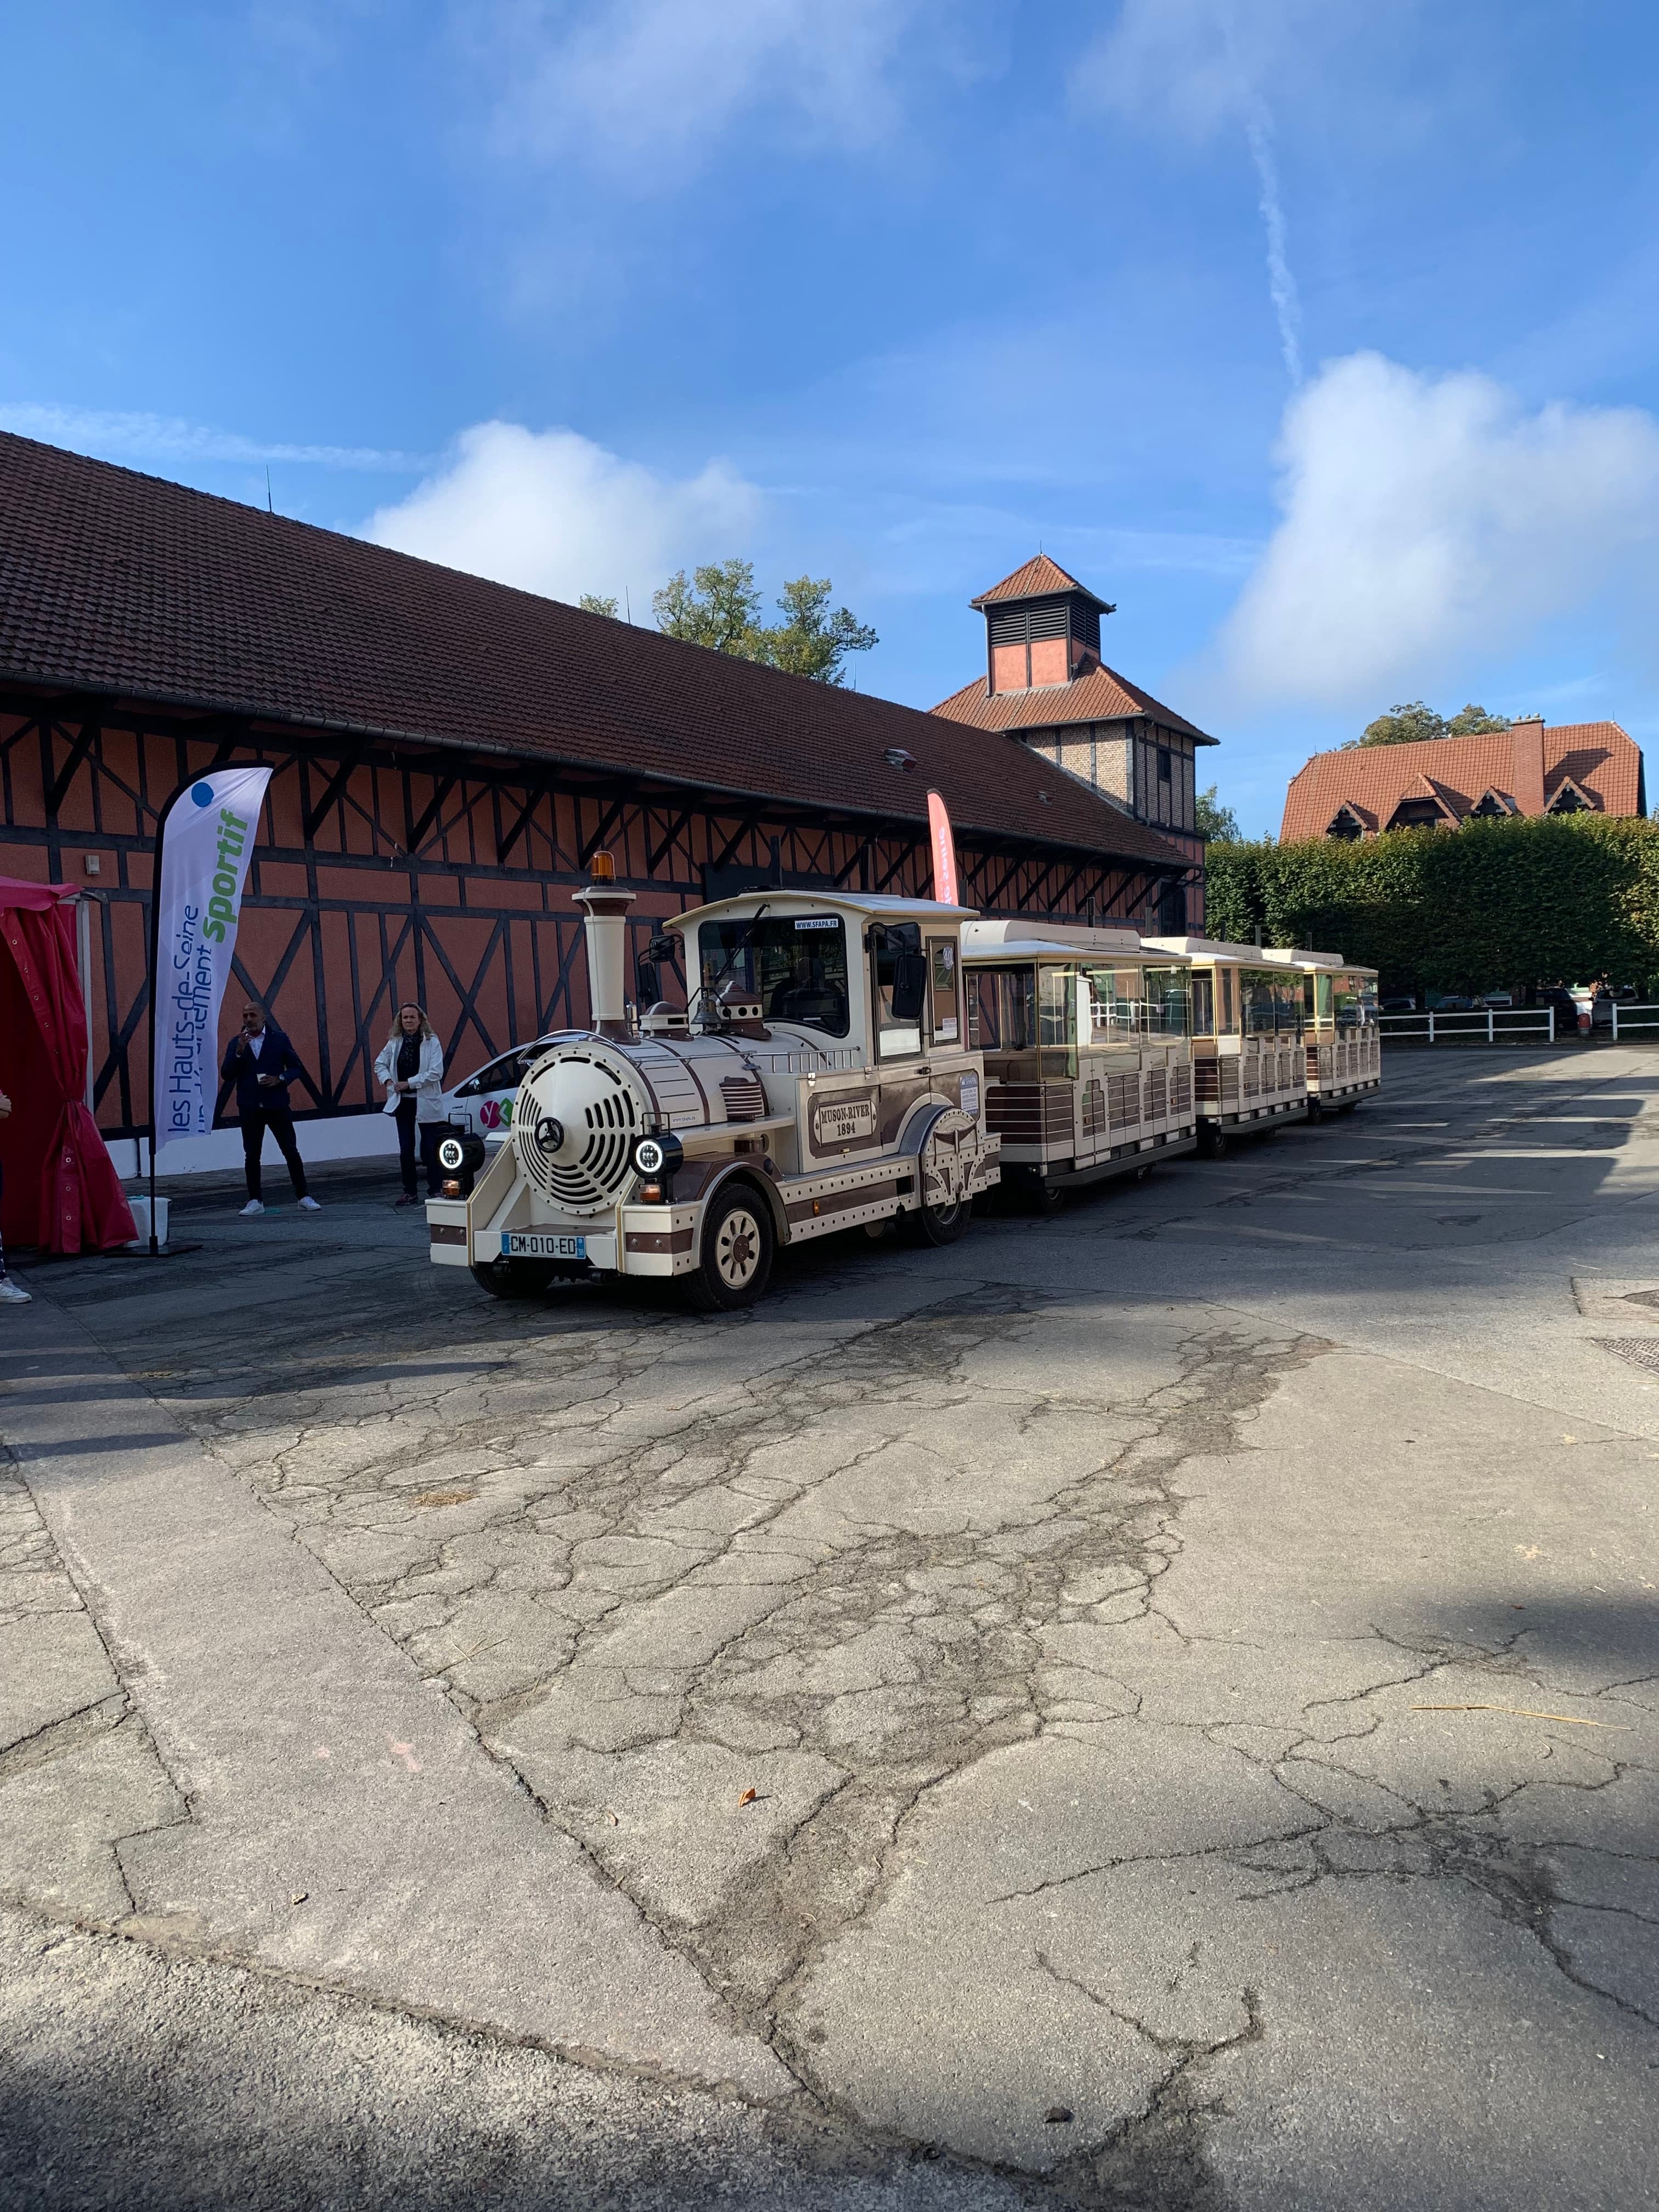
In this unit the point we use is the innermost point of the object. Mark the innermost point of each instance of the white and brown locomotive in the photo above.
(820, 1079)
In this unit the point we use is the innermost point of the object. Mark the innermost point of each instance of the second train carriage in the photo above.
(1249, 1054)
(1343, 1042)
(1087, 1051)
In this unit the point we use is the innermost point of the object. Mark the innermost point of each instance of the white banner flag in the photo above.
(203, 843)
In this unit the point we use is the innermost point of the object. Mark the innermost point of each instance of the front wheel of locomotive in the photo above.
(939, 1225)
(734, 1263)
(513, 1278)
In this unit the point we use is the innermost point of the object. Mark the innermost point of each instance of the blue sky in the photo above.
(1321, 337)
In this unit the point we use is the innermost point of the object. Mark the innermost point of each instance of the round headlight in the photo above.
(450, 1154)
(657, 1156)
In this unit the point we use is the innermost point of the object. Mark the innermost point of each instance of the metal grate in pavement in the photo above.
(1640, 1351)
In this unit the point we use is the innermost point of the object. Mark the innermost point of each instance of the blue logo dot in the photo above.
(202, 793)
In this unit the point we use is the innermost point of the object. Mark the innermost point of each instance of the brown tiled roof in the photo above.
(1600, 756)
(132, 587)
(1037, 577)
(1097, 694)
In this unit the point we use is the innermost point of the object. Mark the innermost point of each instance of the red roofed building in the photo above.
(1046, 685)
(1439, 783)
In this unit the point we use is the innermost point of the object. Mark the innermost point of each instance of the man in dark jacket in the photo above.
(264, 1064)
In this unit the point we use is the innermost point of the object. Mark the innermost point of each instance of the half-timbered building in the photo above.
(449, 755)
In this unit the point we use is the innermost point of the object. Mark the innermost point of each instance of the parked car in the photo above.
(1453, 1002)
(482, 1104)
(1402, 1002)
(1498, 999)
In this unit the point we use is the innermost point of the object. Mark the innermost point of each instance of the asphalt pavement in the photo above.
(1152, 1706)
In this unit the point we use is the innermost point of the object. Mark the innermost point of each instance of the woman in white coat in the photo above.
(411, 1066)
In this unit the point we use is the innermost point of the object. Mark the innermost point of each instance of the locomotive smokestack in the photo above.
(606, 908)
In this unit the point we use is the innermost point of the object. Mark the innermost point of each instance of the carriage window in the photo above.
(1227, 1000)
(1057, 1005)
(795, 964)
(1321, 1006)
(899, 969)
(1271, 1004)
(942, 986)
(1204, 1003)
(1004, 1003)
(1355, 1001)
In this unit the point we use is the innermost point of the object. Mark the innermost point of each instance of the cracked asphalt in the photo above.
(1156, 1706)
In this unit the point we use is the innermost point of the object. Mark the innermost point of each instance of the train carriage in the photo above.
(1088, 1057)
(820, 1079)
(1250, 1054)
(1343, 1042)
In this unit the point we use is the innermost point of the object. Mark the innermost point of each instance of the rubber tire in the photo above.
(1046, 1200)
(513, 1278)
(925, 1225)
(706, 1290)
(1143, 1174)
(1212, 1142)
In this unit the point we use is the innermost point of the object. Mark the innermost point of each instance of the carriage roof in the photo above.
(875, 905)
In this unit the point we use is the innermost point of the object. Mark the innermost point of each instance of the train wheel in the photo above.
(1047, 1198)
(940, 1225)
(1212, 1141)
(513, 1278)
(735, 1262)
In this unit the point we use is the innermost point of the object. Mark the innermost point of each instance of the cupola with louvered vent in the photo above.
(1043, 628)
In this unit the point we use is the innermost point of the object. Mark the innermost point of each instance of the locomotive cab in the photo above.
(819, 1077)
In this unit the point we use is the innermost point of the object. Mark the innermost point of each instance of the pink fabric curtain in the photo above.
(81, 1207)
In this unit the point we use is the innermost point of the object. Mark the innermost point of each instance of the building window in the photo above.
(1163, 764)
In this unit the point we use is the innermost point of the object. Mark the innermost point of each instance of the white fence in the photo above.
(1506, 1025)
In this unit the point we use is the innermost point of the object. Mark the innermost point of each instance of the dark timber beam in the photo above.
(747, 828)
(316, 815)
(676, 829)
(906, 855)
(65, 777)
(520, 822)
(431, 810)
(608, 821)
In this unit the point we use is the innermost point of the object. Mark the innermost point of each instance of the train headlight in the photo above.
(657, 1155)
(451, 1154)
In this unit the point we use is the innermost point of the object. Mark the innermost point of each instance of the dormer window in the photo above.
(1571, 799)
(1346, 824)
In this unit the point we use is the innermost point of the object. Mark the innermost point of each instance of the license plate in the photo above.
(528, 1244)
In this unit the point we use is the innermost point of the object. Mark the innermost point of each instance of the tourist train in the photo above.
(847, 1060)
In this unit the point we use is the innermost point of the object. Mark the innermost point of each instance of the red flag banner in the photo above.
(945, 852)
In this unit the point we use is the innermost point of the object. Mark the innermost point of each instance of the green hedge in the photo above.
(1494, 904)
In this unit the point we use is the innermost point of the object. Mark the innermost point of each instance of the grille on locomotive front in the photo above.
(745, 1097)
(600, 1119)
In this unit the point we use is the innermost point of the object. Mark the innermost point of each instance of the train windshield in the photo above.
(795, 964)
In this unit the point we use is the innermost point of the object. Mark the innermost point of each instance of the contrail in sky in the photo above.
(1281, 284)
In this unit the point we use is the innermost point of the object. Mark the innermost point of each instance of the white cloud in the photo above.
(108, 436)
(1429, 522)
(551, 512)
(643, 89)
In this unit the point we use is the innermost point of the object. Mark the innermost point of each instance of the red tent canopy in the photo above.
(62, 1192)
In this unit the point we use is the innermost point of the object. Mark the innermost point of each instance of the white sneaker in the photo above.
(253, 1206)
(14, 1294)
(309, 1206)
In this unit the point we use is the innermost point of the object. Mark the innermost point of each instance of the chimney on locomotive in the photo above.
(605, 906)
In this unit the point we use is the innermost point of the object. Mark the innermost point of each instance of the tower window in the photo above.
(1163, 763)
